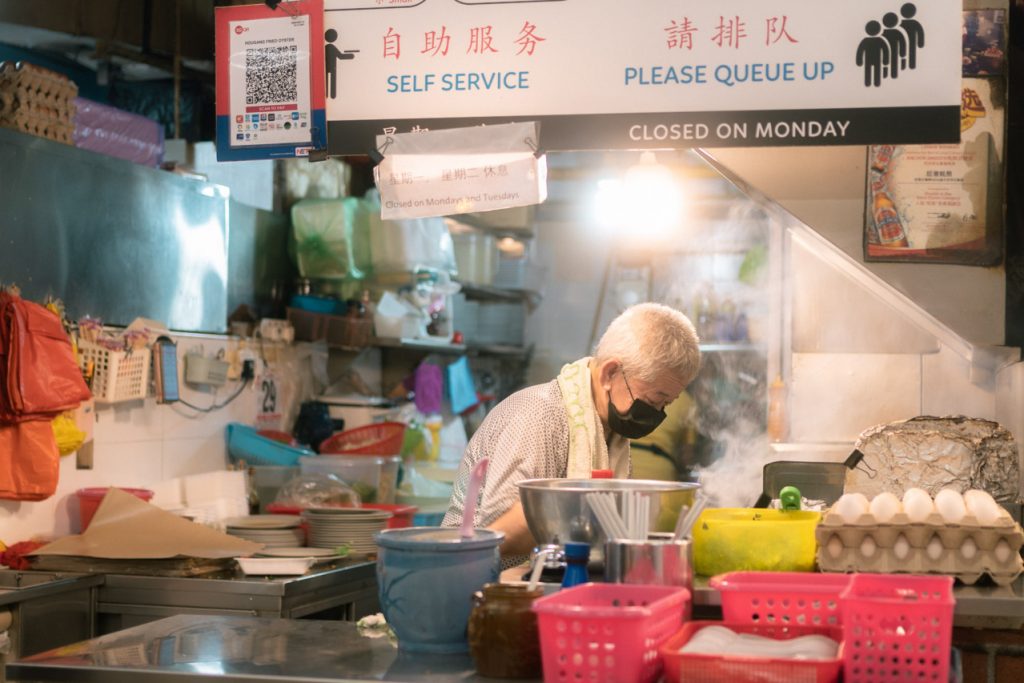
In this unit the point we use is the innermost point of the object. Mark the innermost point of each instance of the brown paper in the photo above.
(125, 527)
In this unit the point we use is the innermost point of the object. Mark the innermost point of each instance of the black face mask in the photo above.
(640, 420)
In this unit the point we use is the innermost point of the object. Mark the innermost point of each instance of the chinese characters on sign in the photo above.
(600, 74)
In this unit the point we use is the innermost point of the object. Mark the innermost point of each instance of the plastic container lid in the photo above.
(445, 539)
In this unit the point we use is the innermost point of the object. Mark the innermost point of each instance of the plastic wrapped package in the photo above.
(310, 490)
(118, 133)
(328, 243)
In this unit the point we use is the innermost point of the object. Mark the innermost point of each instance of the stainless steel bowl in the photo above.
(556, 511)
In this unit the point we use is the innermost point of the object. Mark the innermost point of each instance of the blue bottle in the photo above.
(577, 555)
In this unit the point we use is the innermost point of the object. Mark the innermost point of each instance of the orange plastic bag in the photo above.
(38, 373)
(29, 461)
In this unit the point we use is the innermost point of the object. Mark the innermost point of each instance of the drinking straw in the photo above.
(691, 517)
(472, 490)
(680, 521)
(538, 567)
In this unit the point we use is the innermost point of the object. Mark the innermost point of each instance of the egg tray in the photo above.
(918, 560)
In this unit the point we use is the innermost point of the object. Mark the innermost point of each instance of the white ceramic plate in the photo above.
(263, 522)
(275, 566)
(298, 552)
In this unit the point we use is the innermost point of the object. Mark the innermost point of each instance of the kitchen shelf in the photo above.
(491, 293)
(449, 348)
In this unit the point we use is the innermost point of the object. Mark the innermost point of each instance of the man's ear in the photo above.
(606, 371)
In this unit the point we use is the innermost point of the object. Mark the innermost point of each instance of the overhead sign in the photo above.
(270, 80)
(600, 74)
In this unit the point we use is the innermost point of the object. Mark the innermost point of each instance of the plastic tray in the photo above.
(244, 443)
(603, 632)
(798, 598)
(727, 668)
(897, 627)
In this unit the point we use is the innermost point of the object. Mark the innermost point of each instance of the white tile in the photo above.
(834, 396)
(947, 388)
(128, 422)
(133, 464)
(182, 457)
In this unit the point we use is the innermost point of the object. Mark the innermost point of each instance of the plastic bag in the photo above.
(406, 245)
(327, 243)
(317, 490)
(67, 434)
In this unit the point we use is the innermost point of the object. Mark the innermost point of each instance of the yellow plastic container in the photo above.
(753, 539)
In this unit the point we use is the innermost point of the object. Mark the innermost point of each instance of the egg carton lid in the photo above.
(1004, 521)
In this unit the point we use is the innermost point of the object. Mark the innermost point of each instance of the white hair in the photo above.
(651, 340)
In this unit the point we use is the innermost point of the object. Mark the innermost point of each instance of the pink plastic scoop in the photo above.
(472, 490)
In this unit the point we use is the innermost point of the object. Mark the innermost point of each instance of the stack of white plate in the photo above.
(352, 527)
(273, 531)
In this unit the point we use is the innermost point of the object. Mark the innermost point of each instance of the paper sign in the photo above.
(418, 186)
(462, 170)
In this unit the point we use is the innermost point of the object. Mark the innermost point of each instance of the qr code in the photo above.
(270, 75)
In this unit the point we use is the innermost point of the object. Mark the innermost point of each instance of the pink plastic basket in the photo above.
(605, 632)
(800, 598)
(736, 668)
(898, 628)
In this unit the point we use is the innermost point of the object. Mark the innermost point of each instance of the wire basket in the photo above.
(898, 628)
(605, 632)
(798, 598)
(121, 375)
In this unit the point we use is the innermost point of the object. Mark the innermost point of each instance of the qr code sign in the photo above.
(270, 75)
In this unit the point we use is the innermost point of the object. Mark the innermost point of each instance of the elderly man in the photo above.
(579, 422)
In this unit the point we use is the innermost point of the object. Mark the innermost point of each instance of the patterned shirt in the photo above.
(526, 436)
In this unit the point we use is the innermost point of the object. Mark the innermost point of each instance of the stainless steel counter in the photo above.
(347, 591)
(240, 650)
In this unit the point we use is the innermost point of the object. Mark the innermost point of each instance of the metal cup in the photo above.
(659, 561)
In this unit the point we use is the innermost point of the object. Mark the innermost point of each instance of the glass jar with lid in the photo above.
(503, 637)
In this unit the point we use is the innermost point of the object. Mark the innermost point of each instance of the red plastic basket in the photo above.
(898, 628)
(605, 632)
(730, 668)
(381, 438)
(800, 598)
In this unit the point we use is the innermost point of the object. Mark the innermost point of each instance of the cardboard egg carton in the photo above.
(967, 550)
(37, 101)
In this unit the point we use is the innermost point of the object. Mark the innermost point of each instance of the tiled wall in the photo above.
(137, 444)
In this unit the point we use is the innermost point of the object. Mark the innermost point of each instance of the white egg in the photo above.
(968, 548)
(917, 504)
(901, 548)
(934, 549)
(950, 505)
(850, 507)
(834, 546)
(868, 547)
(884, 507)
(983, 506)
(1002, 551)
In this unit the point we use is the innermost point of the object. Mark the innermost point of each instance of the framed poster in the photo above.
(984, 42)
(941, 203)
(270, 80)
